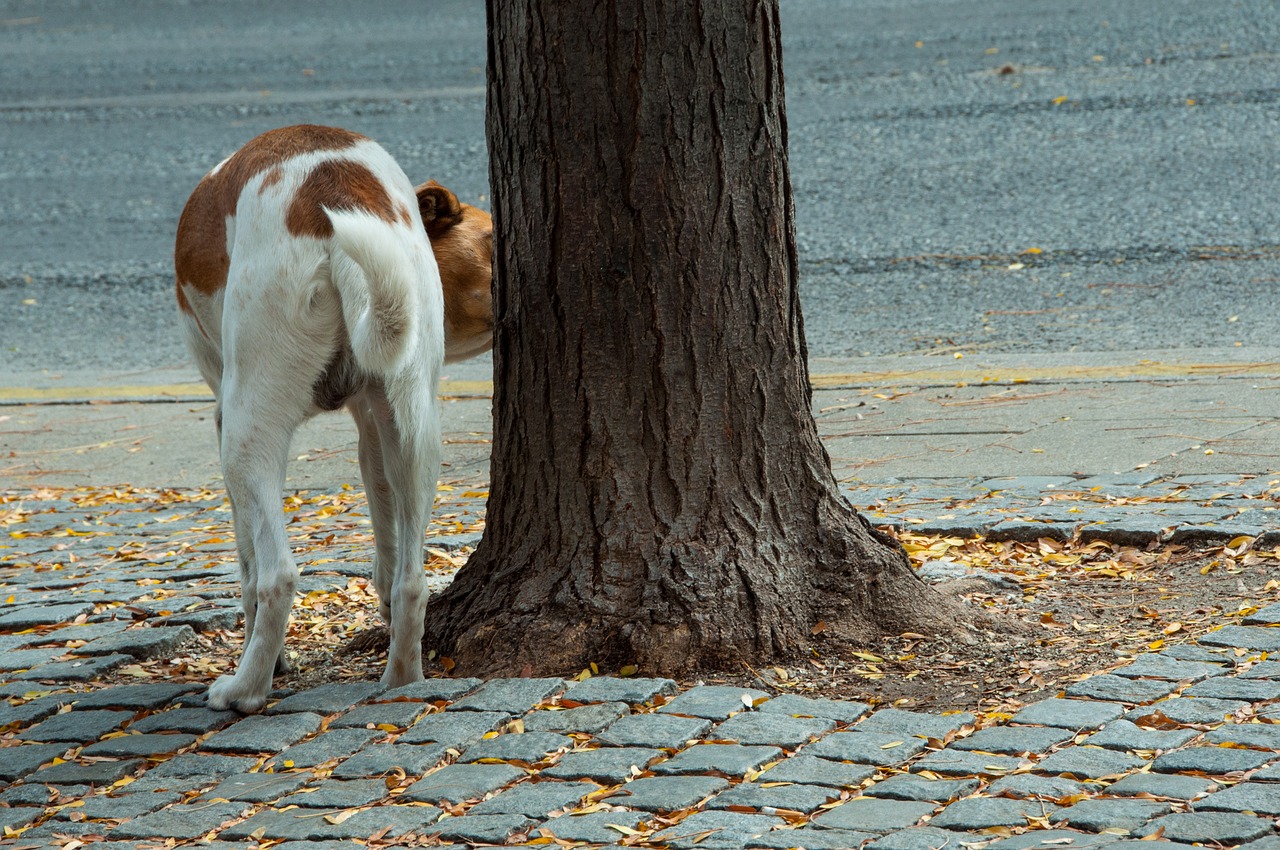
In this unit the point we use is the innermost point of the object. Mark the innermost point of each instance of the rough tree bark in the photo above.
(660, 495)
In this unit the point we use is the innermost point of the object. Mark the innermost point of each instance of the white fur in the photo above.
(288, 306)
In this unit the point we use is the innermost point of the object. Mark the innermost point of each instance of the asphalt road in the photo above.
(934, 143)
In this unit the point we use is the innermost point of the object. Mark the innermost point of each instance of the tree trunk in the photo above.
(659, 492)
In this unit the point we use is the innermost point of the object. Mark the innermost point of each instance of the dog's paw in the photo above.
(397, 675)
(227, 692)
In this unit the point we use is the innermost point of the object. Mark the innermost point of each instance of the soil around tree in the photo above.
(1057, 613)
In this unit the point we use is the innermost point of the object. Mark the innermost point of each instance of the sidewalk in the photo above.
(1181, 745)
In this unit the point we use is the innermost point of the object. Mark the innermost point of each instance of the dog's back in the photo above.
(311, 227)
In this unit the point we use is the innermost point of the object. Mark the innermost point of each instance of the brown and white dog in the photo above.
(312, 275)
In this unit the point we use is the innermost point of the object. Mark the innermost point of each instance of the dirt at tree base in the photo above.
(1076, 610)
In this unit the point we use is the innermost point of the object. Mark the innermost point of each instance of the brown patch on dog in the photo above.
(464, 253)
(271, 178)
(200, 253)
(338, 184)
(439, 208)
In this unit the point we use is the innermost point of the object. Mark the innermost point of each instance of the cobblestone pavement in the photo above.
(1181, 746)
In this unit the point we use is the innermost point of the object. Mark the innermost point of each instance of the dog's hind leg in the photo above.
(407, 417)
(377, 488)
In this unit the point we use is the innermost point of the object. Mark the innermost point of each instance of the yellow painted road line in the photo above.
(906, 377)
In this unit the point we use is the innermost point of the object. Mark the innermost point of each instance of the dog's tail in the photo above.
(373, 273)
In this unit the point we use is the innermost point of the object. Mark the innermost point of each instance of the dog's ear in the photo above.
(439, 207)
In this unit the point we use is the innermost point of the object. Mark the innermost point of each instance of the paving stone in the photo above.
(24, 659)
(380, 759)
(713, 702)
(1153, 665)
(191, 720)
(524, 747)
(1013, 740)
(611, 765)
(960, 763)
(135, 697)
(330, 698)
(1083, 762)
(125, 806)
(1129, 531)
(1271, 842)
(593, 828)
(841, 711)
(483, 829)
(400, 715)
(1259, 798)
(153, 642)
(1023, 785)
(1194, 652)
(626, 690)
(1069, 713)
(257, 787)
(810, 838)
(97, 773)
(921, 790)
(263, 734)
(1214, 761)
(29, 712)
(26, 795)
(338, 794)
(72, 633)
(918, 838)
(1244, 637)
(1211, 533)
(1099, 815)
(1029, 531)
(534, 800)
(1266, 616)
(588, 719)
(1262, 670)
(876, 748)
(715, 831)
(76, 726)
(893, 721)
(986, 812)
(1260, 736)
(1207, 827)
(1049, 839)
(512, 696)
(43, 615)
(1250, 690)
(666, 793)
(458, 783)
(1170, 785)
(331, 745)
(204, 619)
(74, 670)
(1126, 735)
(729, 759)
(866, 814)
(1197, 710)
(21, 760)
(664, 731)
(1120, 689)
(431, 690)
(139, 746)
(753, 795)
(14, 819)
(808, 770)
(212, 768)
(1268, 774)
(311, 824)
(780, 729)
(456, 730)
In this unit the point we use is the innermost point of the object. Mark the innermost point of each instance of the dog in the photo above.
(312, 275)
